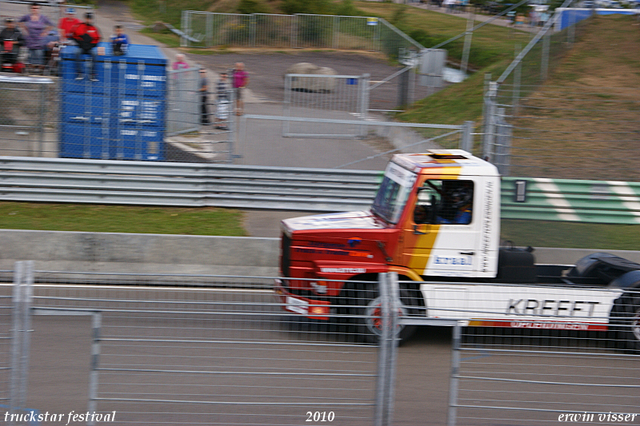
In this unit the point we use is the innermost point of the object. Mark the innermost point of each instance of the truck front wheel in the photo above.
(367, 312)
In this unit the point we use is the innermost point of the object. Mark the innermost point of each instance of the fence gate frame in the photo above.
(323, 84)
(21, 341)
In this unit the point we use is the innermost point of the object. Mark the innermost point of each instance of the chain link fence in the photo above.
(132, 348)
(208, 29)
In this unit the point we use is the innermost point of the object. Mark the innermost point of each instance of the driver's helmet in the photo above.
(461, 196)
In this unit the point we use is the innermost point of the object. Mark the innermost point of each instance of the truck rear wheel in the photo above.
(625, 316)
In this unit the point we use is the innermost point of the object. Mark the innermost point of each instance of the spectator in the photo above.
(51, 41)
(35, 27)
(180, 63)
(67, 24)
(533, 18)
(119, 41)
(204, 90)
(87, 36)
(10, 41)
(222, 102)
(240, 81)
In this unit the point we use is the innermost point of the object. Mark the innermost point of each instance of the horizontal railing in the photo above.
(187, 185)
(571, 200)
(280, 188)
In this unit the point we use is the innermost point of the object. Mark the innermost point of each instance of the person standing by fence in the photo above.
(180, 63)
(240, 81)
(204, 89)
(35, 27)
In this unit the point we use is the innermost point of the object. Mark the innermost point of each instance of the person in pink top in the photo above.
(180, 63)
(240, 79)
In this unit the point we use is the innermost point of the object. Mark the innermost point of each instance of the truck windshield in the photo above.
(393, 193)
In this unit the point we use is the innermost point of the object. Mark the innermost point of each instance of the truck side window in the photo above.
(444, 202)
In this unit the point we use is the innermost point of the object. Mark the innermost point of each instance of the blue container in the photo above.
(145, 112)
(80, 109)
(124, 111)
(85, 141)
(133, 143)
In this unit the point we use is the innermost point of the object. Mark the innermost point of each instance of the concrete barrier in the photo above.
(177, 254)
(140, 253)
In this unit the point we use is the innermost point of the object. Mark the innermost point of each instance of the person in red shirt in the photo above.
(67, 24)
(87, 36)
(240, 79)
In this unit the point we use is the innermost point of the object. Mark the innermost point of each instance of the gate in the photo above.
(183, 107)
(325, 96)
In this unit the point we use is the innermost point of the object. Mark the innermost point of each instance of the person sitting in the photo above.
(10, 41)
(51, 41)
(119, 41)
(458, 200)
(87, 36)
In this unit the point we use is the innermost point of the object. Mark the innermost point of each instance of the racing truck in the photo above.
(435, 222)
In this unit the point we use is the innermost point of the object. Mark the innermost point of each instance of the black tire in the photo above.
(366, 305)
(625, 319)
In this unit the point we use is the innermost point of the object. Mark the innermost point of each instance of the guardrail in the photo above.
(185, 185)
(570, 200)
(279, 188)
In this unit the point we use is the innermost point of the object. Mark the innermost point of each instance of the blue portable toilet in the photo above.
(122, 115)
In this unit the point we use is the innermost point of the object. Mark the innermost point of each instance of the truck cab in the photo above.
(436, 214)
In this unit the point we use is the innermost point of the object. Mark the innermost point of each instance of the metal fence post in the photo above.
(502, 143)
(544, 72)
(22, 295)
(387, 352)
(294, 31)
(363, 91)
(455, 374)
(96, 325)
(489, 122)
(516, 83)
(467, 43)
(27, 297)
(183, 24)
(209, 30)
(466, 141)
(41, 119)
(16, 337)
